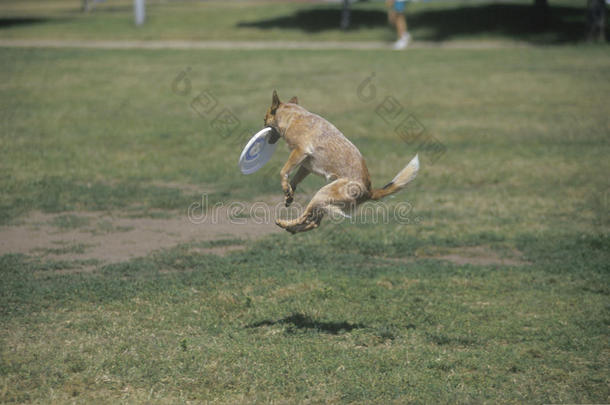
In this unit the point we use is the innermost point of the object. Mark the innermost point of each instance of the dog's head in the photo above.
(271, 120)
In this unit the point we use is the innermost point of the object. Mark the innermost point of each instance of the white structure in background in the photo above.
(88, 4)
(139, 11)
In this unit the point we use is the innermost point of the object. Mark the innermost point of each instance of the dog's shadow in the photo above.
(299, 321)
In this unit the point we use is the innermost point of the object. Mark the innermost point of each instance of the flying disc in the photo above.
(257, 152)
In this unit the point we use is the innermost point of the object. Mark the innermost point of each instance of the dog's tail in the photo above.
(404, 177)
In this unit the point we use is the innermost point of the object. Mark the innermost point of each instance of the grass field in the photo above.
(495, 291)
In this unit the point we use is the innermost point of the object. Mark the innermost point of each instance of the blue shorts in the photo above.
(399, 5)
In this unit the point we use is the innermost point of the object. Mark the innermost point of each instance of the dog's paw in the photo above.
(288, 194)
(284, 225)
(288, 199)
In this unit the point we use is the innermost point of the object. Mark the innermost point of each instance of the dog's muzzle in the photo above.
(273, 136)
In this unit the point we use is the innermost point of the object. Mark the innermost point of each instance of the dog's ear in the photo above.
(275, 102)
(294, 100)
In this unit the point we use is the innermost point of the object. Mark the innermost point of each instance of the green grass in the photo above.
(273, 20)
(296, 326)
(349, 312)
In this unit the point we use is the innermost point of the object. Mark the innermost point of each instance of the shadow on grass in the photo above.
(320, 19)
(66, 15)
(10, 22)
(558, 24)
(524, 22)
(304, 322)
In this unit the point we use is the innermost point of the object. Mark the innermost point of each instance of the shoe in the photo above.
(403, 42)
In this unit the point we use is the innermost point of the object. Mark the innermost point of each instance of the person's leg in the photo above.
(391, 12)
(401, 25)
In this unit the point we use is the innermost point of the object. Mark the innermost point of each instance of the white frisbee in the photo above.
(257, 152)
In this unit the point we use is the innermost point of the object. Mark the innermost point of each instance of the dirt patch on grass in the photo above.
(275, 44)
(113, 237)
(474, 255)
(218, 250)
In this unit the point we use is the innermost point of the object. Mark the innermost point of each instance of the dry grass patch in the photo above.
(112, 237)
(473, 255)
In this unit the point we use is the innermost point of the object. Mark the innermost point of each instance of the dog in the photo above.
(317, 146)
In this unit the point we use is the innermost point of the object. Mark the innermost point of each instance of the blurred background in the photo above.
(537, 21)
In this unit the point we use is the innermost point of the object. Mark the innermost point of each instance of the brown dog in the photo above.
(318, 147)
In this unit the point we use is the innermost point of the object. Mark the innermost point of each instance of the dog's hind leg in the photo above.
(308, 224)
(333, 197)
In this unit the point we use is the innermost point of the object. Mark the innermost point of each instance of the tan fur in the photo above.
(317, 146)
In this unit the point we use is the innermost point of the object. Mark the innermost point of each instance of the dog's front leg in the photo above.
(299, 177)
(296, 158)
